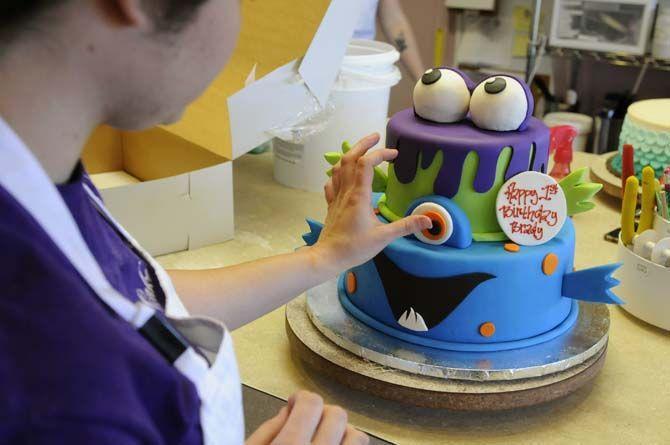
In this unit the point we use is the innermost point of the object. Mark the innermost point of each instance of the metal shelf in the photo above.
(626, 60)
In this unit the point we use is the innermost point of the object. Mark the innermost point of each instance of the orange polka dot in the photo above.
(352, 283)
(377, 211)
(549, 264)
(511, 247)
(487, 329)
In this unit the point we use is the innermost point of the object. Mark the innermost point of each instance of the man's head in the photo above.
(147, 59)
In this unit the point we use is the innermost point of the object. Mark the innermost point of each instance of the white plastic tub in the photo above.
(360, 99)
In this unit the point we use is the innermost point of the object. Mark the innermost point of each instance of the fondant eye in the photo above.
(500, 103)
(442, 95)
(443, 226)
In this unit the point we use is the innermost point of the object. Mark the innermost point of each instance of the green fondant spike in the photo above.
(579, 191)
(346, 146)
(333, 157)
(481, 207)
(329, 172)
(379, 181)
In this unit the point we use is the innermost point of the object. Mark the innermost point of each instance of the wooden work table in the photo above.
(628, 403)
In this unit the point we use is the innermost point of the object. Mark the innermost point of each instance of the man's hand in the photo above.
(352, 233)
(306, 420)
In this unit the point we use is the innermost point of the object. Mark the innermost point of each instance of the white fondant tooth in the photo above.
(412, 320)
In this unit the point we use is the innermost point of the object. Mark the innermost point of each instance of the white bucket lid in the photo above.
(368, 64)
(581, 122)
(361, 52)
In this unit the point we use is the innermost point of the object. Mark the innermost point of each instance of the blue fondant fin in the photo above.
(315, 228)
(593, 285)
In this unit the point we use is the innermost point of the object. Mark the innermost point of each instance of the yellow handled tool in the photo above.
(648, 200)
(628, 210)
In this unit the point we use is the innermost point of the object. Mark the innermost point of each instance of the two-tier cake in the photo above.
(495, 271)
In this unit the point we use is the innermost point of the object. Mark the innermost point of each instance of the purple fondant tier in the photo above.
(412, 136)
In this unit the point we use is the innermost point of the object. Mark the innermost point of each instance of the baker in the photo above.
(96, 346)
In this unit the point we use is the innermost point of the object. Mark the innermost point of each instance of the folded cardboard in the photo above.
(164, 209)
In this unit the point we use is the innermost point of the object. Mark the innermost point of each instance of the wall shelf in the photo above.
(616, 59)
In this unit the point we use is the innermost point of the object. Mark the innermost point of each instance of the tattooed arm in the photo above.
(398, 31)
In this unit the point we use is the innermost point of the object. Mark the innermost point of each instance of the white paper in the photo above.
(291, 90)
(323, 59)
(267, 103)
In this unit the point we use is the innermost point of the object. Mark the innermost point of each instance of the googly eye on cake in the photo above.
(495, 271)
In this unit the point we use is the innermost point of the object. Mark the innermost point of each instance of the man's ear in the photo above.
(133, 13)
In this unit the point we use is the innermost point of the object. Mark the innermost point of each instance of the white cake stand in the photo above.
(328, 340)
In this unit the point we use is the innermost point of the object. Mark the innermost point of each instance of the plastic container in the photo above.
(581, 122)
(360, 100)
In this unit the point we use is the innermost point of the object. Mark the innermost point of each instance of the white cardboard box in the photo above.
(181, 212)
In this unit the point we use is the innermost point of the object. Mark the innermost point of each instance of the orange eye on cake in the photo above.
(443, 225)
(501, 103)
(442, 95)
(451, 227)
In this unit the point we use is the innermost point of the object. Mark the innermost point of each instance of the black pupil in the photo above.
(495, 86)
(436, 229)
(431, 77)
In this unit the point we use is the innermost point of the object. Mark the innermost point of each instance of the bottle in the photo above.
(560, 143)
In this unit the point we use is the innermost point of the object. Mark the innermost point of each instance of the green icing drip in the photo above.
(400, 196)
(481, 207)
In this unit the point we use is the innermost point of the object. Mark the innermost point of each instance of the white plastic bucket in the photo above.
(581, 122)
(360, 98)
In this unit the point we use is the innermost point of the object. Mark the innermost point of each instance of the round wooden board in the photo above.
(601, 174)
(325, 358)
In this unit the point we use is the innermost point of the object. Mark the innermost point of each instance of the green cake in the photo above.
(647, 128)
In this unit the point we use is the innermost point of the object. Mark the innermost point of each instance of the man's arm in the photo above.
(397, 30)
(352, 234)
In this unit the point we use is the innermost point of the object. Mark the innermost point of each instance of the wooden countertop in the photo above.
(629, 402)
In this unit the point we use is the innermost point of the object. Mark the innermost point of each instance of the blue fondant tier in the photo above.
(483, 298)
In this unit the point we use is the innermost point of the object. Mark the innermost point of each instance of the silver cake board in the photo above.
(330, 341)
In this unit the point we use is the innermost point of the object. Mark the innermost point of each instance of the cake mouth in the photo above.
(420, 303)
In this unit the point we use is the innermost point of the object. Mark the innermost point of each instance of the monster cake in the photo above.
(463, 285)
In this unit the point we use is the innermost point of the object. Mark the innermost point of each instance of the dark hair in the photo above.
(171, 15)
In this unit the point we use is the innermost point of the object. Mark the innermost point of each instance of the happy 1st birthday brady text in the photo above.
(525, 207)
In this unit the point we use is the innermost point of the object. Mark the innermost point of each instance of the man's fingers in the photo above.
(366, 164)
(349, 160)
(305, 415)
(355, 437)
(363, 146)
(333, 426)
(336, 179)
(329, 191)
(405, 226)
(269, 430)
